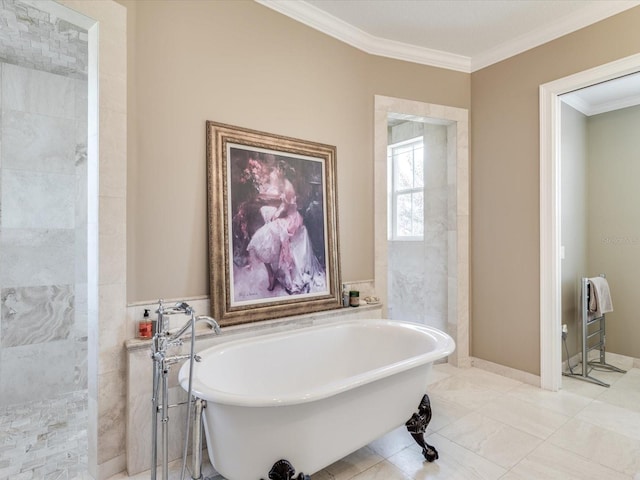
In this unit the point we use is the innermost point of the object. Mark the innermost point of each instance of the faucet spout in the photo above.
(211, 322)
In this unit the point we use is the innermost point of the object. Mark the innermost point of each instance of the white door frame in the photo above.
(457, 122)
(550, 284)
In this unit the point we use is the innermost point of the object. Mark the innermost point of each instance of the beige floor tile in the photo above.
(493, 440)
(489, 380)
(530, 418)
(464, 391)
(620, 361)
(454, 463)
(511, 475)
(612, 417)
(382, 471)
(549, 462)
(582, 387)
(600, 445)
(625, 392)
(392, 442)
(353, 464)
(563, 402)
(445, 412)
(491, 427)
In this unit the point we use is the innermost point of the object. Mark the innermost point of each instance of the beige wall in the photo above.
(614, 220)
(240, 63)
(600, 219)
(505, 184)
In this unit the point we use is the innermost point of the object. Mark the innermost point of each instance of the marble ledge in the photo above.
(267, 326)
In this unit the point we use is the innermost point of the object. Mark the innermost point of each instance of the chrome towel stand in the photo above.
(600, 344)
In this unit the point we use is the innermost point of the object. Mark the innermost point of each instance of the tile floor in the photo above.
(486, 426)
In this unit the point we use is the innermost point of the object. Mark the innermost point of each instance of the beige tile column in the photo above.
(107, 159)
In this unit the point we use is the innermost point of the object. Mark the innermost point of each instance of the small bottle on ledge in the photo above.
(354, 298)
(145, 326)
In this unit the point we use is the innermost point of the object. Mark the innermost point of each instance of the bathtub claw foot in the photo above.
(283, 470)
(417, 425)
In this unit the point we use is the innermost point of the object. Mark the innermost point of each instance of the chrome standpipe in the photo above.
(162, 340)
(196, 444)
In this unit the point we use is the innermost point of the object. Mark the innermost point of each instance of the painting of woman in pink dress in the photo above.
(278, 216)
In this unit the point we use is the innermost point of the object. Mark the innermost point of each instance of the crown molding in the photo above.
(594, 12)
(590, 110)
(326, 23)
(576, 103)
(616, 105)
(318, 19)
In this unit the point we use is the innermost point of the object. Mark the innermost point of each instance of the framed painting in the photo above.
(273, 228)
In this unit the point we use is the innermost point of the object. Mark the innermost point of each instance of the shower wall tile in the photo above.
(80, 365)
(32, 257)
(35, 91)
(435, 140)
(81, 110)
(38, 142)
(35, 315)
(81, 255)
(37, 200)
(436, 208)
(35, 371)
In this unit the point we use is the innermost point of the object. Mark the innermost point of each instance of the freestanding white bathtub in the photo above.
(312, 395)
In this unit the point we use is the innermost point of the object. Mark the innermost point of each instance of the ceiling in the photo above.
(465, 35)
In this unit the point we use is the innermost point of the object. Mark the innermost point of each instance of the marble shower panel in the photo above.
(37, 142)
(419, 270)
(37, 200)
(34, 91)
(32, 257)
(43, 234)
(33, 315)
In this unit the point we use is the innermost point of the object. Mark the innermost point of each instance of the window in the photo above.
(406, 187)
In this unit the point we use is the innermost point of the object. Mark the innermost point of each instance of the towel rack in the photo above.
(588, 334)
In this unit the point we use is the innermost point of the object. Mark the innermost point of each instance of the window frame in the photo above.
(394, 193)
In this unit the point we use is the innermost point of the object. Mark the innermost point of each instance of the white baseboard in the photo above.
(508, 372)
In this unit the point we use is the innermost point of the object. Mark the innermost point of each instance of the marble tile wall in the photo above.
(43, 233)
(456, 121)
(418, 270)
(38, 39)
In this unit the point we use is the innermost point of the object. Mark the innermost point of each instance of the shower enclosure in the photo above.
(421, 221)
(43, 242)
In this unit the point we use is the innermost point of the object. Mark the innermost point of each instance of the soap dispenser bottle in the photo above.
(145, 326)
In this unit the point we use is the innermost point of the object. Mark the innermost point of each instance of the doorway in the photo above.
(454, 285)
(550, 190)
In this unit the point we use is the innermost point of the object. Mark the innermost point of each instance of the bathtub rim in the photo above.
(445, 345)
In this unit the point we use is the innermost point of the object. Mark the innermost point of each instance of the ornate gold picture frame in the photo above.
(273, 241)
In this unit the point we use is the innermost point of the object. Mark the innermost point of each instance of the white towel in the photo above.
(600, 297)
